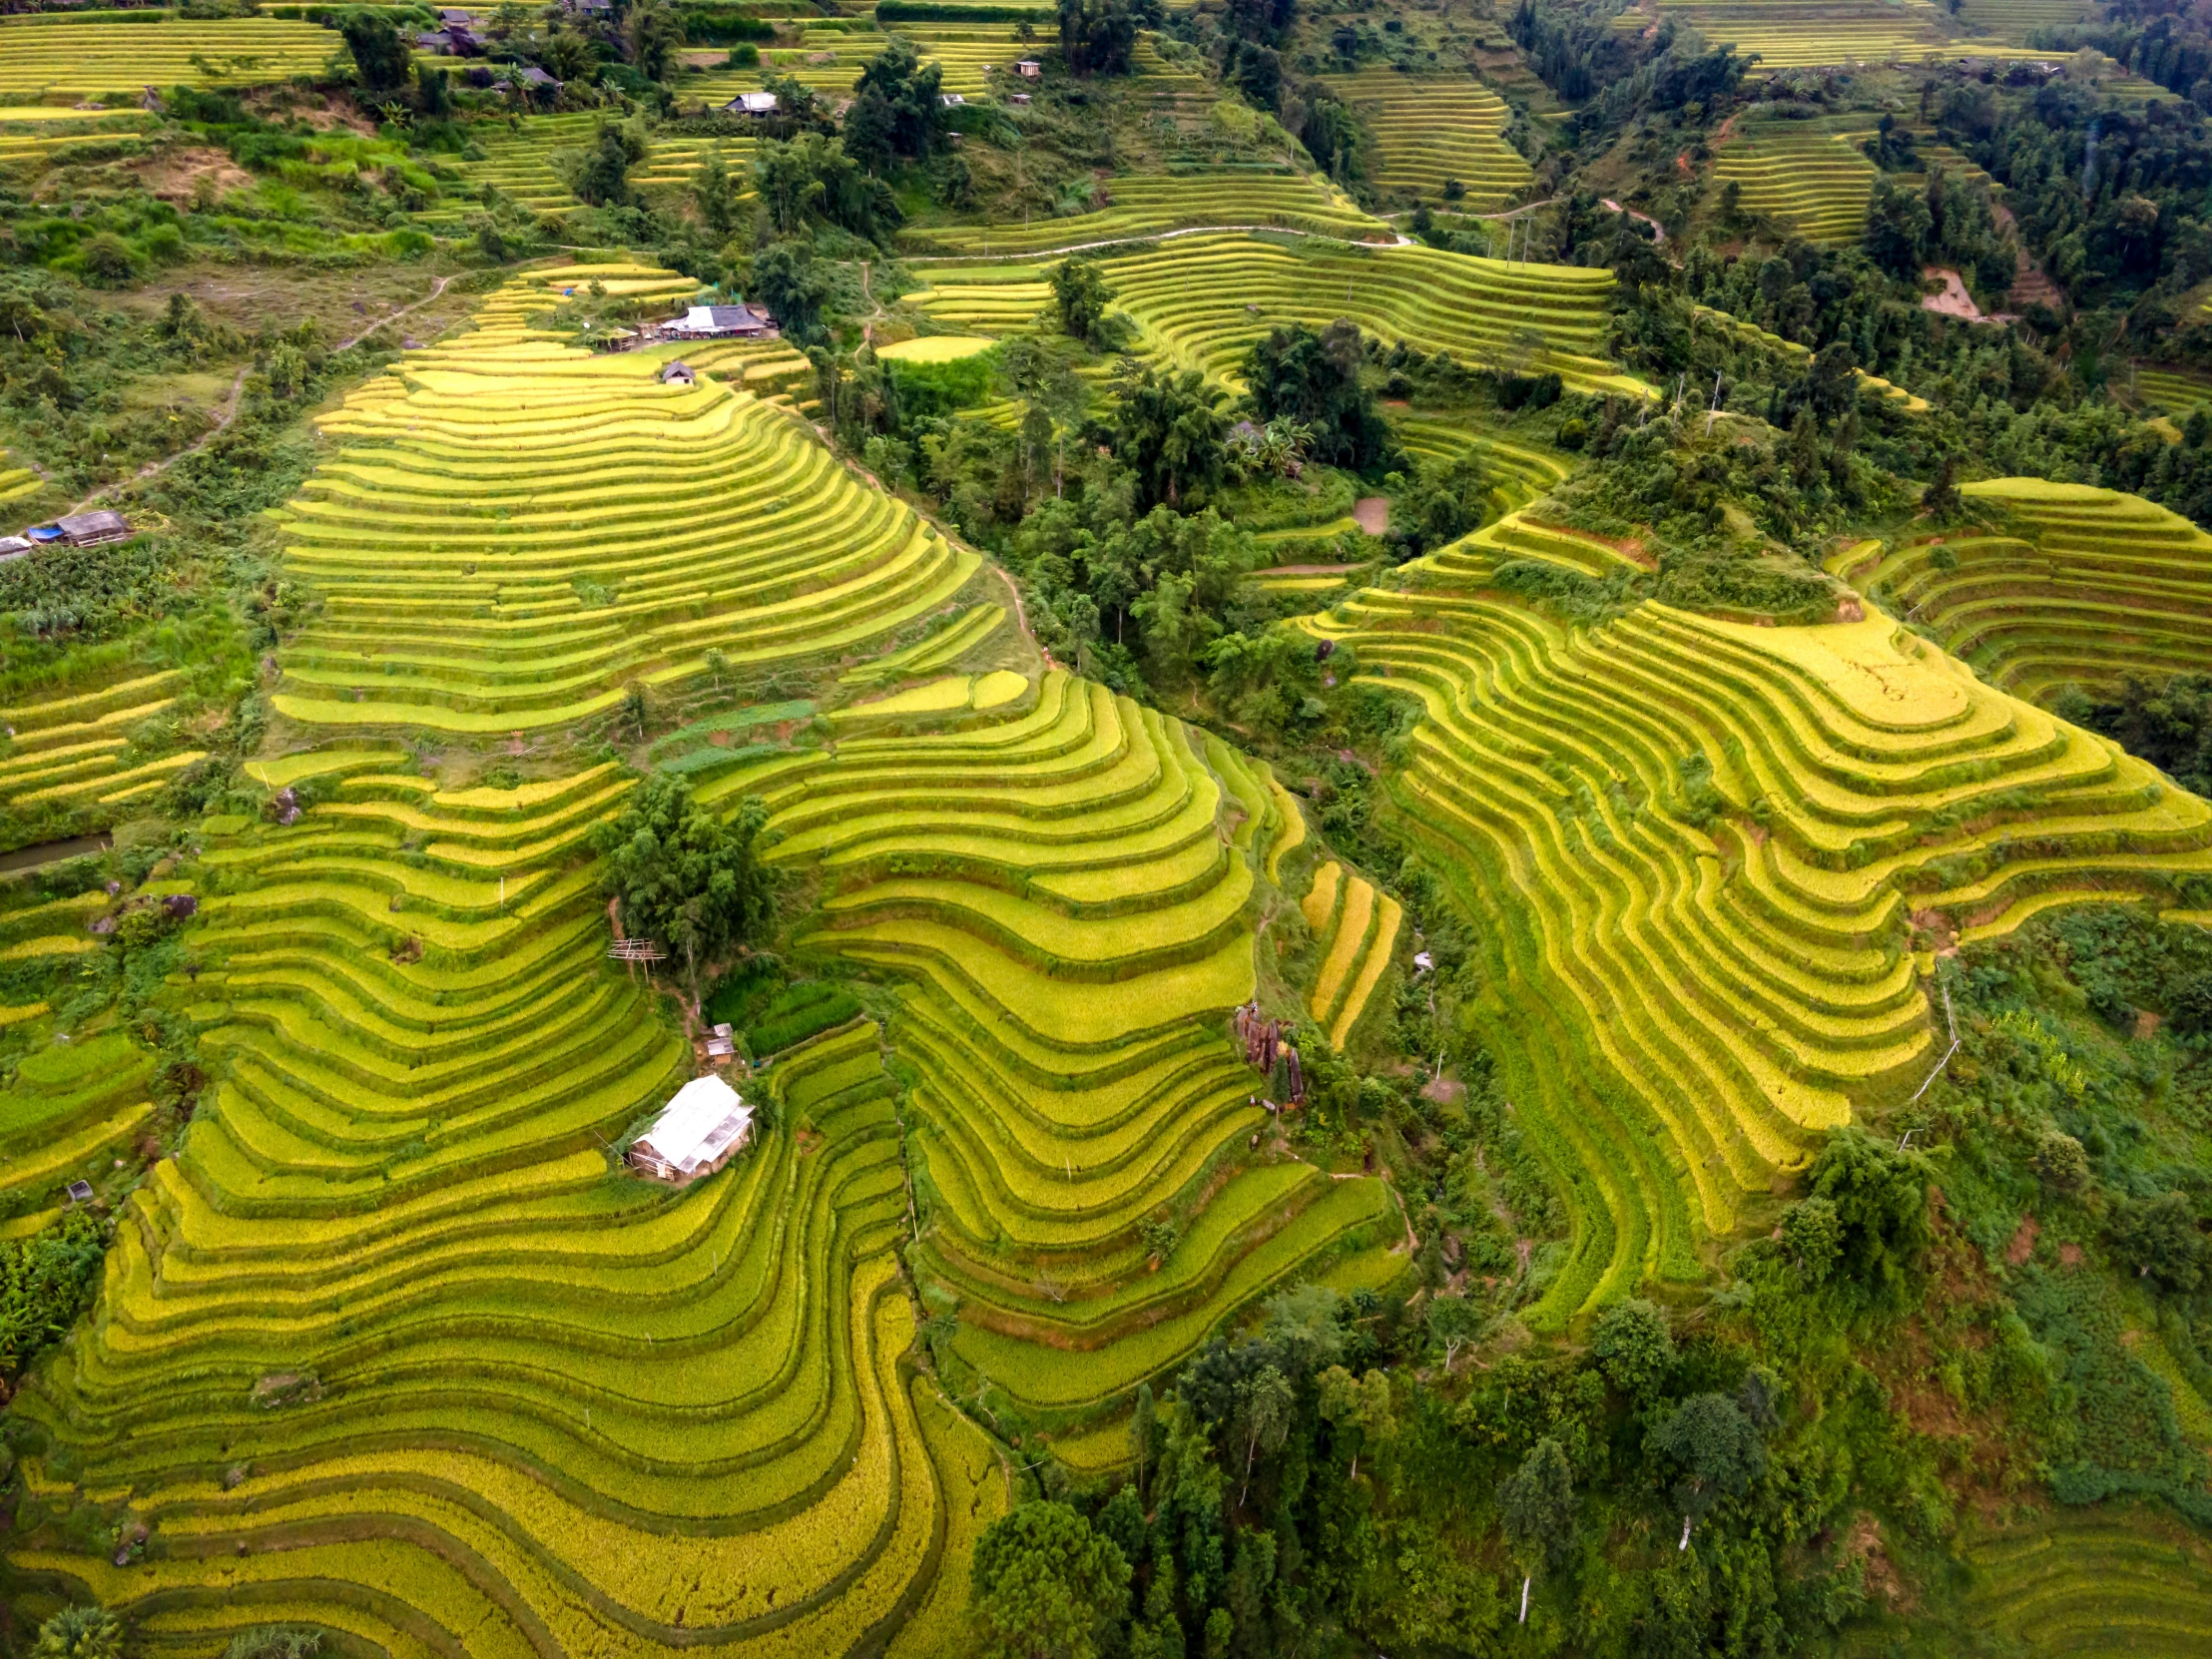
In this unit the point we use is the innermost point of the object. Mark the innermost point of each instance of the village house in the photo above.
(750, 103)
(739, 321)
(678, 373)
(1029, 69)
(697, 1133)
(93, 529)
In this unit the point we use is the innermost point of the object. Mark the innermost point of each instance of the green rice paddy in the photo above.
(2092, 586)
(45, 57)
(1685, 1005)
(1201, 301)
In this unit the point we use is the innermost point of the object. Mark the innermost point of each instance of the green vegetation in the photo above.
(1460, 868)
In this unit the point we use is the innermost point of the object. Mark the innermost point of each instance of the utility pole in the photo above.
(1714, 413)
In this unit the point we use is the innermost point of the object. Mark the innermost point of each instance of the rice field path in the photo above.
(1658, 231)
(228, 413)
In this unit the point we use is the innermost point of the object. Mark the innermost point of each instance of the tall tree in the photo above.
(1536, 1504)
(682, 877)
(380, 57)
(1043, 1586)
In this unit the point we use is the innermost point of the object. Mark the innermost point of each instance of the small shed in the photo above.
(678, 373)
(1029, 69)
(14, 547)
(696, 1134)
(950, 100)
(750, 103)
(93, 529)
(1022, 98)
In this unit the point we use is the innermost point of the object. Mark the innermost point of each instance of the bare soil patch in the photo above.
(1371, 513)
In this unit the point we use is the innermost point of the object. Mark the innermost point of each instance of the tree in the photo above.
(1536, 1504)
(568, 56)
(788, 186)
(1360, 1410)
(684, 877)
(652, 32)
(1633, 1346)
(1315, 379)
(1258, 76)
(1081, 293)
(1097, 37)
(1717, 1448)
(1454, 1322)
(382, 59)
(794, 288)
(899, 107)
(45, 1284)
(1144, 1431)
(1444, 503)
(714, 193)
(107, 260)
(80, 1633)
(1880, 1199)
(600, 176)
(2159, 1239)
(1043, 1586)
(1168, 431)
(1265, 1402)
(434, 92)
(1813, 1235)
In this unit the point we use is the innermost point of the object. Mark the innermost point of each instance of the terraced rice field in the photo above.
(52, 57)
(2097, 586)
(389, 1347)
(82, 753)
(1433, 127)
(32, 135)
(2178, 390)
(516, 530)
(1200, 302)
(1149, 205)
(17, 481)
(1808, 33)
(2102, 1583)
(2013, 19)
(387, 1350)
(519, 164)
(72, 1103)
(1357, 930)
(1816, 182)
(1683, 1010)
(1520, 472)
(1065, 888)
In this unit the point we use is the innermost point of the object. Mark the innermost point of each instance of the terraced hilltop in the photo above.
(1816, 182)
(1712, 860)
(1059, 890)
(1432, 130)
(387, 1349)
(50, 56)
(390, 1348)
(520, 529)
(2094, 585)
(1148, 204)
(1200, 302)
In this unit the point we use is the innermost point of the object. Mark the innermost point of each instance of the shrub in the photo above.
(1633, 1346)
(80, 1633)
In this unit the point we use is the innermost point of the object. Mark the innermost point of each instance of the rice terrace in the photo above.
(1114, 831)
